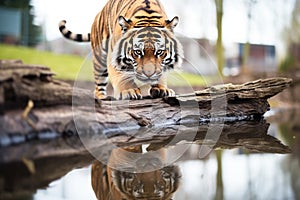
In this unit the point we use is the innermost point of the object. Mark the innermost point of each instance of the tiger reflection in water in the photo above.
(111, 183)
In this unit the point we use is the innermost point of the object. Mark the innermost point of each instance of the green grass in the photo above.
(70, 67)
(65, 66)
(177, 79)
(287, 63)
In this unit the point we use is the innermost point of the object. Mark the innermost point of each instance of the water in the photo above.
(258, 176)
(251, 164)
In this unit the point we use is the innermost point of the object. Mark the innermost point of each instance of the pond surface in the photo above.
(248, 166)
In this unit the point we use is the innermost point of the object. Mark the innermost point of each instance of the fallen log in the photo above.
(33, 105)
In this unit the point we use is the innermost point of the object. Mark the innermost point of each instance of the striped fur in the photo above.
(112, 184)
(132, 41)
(73, 36)
(159, 185)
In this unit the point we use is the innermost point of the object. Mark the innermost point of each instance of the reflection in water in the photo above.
(110, 182)
(123, 180)
(289, 129)
(237, 173)
(131, 175)
(220, 188)
(114, 184)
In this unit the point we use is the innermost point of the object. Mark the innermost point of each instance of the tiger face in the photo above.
(130, 176)
(156, 185)
(146, 53)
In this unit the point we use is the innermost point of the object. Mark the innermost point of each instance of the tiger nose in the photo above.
(149, 70)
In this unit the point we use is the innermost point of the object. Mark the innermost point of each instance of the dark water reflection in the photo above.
(251, 160)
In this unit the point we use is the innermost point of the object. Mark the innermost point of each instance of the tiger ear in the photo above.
(124, 23)
(171, 24)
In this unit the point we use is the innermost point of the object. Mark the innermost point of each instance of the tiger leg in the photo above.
(126, 89)
(123, 85)
(100, 72)
(160, 89)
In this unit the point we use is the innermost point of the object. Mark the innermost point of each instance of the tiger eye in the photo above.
(160, 52)
(138, 52)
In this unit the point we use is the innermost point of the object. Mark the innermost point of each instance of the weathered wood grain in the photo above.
(58, 109)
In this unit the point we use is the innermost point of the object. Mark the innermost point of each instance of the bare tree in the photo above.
(292, 38)
(220, 49)
(250, 4)
(294, 32)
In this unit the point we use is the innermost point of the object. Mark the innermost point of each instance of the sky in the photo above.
(197, 18)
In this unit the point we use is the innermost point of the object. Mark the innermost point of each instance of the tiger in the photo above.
(111, 183)
(133, 43)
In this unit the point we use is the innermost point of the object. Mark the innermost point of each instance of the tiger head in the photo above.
(146, 52)
(131, 175)
(156, 185)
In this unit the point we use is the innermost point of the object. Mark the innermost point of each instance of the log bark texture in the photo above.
(34, 107)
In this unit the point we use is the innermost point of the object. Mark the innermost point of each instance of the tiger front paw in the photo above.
(132, 94)
(158, 91)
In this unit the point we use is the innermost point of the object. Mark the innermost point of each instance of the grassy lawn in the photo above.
(178, 79)
(65, 66)
(70, 67)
